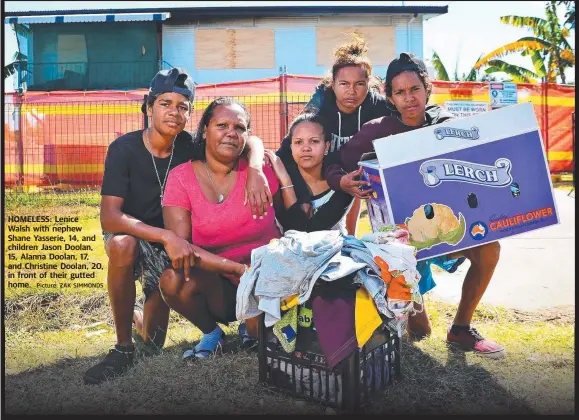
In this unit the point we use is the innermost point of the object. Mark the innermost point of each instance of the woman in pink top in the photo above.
(203, 203)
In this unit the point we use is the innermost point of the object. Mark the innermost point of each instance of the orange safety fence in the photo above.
(59, 139)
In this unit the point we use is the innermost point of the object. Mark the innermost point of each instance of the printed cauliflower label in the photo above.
(432, 224)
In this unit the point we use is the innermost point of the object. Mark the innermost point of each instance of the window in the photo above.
(234, 49)
(71, 53)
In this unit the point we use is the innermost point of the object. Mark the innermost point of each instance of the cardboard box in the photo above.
(463, 183)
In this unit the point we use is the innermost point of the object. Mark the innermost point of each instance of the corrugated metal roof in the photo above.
(121, 17)
(184, 13)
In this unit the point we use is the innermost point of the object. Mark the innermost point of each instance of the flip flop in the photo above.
(192, 354)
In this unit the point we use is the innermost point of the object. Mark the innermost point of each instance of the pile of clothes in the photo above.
(349, 286)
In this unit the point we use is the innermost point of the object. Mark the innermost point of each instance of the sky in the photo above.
(469, 29)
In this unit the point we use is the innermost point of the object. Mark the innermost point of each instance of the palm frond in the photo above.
(570, 13)
(21, 29)
(518, 74)
(441, 73)
(473, 73)
(537, 25)
(513, 47)
(514, 79)
(566, 44)
(568, 57)
(538, 63)
(565, 32)
(10, 69)
(531, 39)
(18, 56)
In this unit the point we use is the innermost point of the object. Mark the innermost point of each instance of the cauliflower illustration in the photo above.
(432, 224)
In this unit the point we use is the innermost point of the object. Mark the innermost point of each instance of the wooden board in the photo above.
(234, 49)
(255, 48)
(381, 42)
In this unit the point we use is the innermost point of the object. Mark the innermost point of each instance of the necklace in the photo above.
(220, 196)
(162, 186)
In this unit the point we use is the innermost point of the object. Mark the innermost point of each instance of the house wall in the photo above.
(114, 55)
(294, 43)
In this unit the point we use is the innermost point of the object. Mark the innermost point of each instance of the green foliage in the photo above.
(442, 74)
(19, 60)
(549, 49)
(570, 14)
(516, 73)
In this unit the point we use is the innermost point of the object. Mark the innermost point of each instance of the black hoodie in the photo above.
(342, 127)
(361, 143)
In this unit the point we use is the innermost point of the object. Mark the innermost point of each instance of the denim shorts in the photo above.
(149, 264)
(426, 282)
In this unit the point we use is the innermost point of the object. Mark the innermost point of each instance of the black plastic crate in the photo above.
(304, 373)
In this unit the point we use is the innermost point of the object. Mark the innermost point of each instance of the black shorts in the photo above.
(149, 264)
(229, 299)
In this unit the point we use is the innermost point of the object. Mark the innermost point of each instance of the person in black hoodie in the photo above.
(408, 88)
(347, 99)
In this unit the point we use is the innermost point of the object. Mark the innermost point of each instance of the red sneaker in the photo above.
(469, 339)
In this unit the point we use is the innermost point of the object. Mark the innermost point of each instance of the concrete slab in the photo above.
(536, 269)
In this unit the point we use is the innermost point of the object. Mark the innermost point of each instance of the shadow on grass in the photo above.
(228, 384)
(428, 386)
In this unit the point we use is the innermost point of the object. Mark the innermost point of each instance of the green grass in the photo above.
(49, 348)
(20, 201)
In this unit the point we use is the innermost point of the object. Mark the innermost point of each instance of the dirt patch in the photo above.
(560, 315)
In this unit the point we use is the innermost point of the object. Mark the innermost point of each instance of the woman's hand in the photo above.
(353, 187)
(257, 192)
(286, 196)
(278, 167)
(236, 278)
(308, 210)
(181, 253)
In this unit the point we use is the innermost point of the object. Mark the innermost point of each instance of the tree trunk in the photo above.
(562, 74)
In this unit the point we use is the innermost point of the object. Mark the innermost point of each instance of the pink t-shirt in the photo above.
(226, 229)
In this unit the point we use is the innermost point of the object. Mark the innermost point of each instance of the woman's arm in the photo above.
(342, 174)
(288, 210)
(327, 215)
(257, 191)
(178, 220)
(286, 186)
(333, 171)
(293, 218)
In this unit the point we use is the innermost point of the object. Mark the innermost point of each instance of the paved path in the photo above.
(536, 269)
